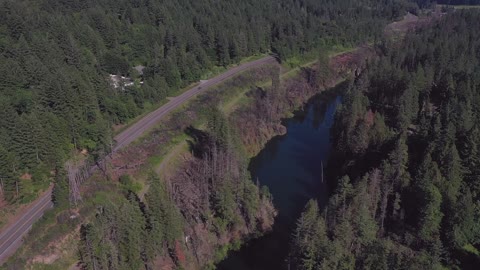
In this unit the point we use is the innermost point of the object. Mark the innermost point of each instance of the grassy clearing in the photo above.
(232, 104)
(253, 58)
(172, 160)
(155, 161)
(240, 99)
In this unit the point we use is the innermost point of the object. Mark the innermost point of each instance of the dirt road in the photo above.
(11, 237)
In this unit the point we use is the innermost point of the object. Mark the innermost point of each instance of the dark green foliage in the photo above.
(219, 129)
(429, 213)
(61, 191)
(407, 135)
(99, 245)
(129, 234)
(129, 185)
(224, 206)
(131, 226)
(8, 180)
(115, 64)
(311, 244)
(165, 220)
(231, 188)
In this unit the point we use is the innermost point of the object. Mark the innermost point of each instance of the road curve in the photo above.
(11, 237)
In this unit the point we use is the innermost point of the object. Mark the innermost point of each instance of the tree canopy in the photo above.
(56, 56)
(406, 144)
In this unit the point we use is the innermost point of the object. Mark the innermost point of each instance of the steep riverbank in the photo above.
(255, 123)
(291, 166)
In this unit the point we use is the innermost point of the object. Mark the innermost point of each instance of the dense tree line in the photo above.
(406, 143)
(55, 57)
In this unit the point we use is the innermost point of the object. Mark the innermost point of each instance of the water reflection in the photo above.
(291, 167)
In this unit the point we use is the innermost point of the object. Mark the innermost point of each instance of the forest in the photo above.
(56, 57)
(406, 192)
(406, 165)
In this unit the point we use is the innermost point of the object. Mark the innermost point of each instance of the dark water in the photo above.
(291, 167)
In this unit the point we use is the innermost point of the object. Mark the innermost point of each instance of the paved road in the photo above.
(11, 237)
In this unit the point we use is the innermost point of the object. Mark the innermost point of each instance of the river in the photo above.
(291, 167)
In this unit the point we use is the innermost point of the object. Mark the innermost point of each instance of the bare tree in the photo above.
(74, 176)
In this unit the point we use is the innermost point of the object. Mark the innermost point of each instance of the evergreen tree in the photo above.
(164, 218)
(9, 179)
(61, 191)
